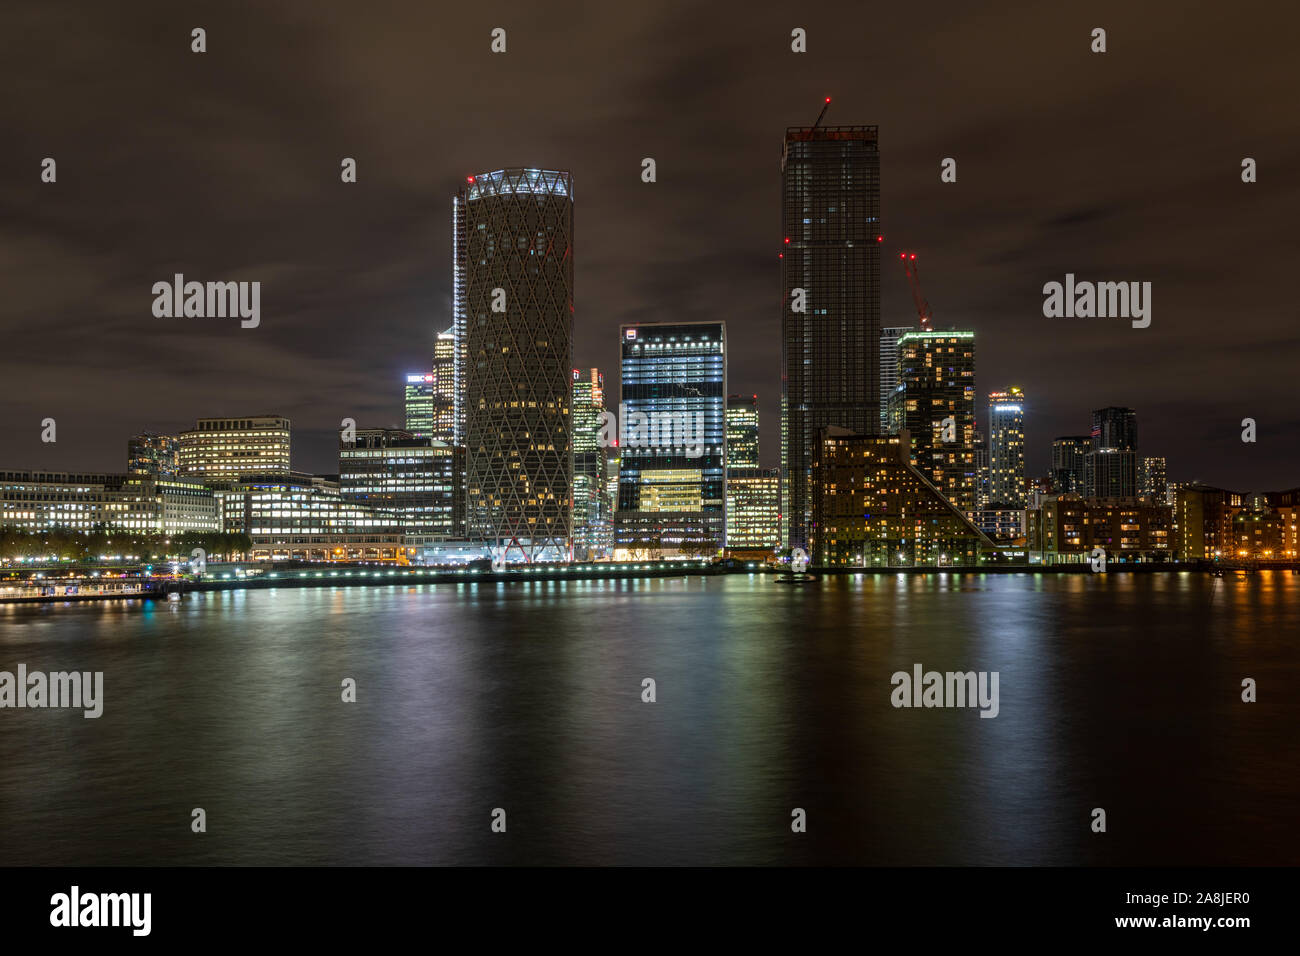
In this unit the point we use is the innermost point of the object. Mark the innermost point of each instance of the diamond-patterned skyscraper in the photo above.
(513, 289)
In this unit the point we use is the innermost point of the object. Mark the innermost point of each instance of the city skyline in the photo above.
(647, 435)
(356, 287)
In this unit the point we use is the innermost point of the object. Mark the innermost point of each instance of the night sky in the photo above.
(225, 166)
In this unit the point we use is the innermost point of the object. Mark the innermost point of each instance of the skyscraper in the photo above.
(592, 513)
(889, 369)
(513, 290)
(419, 404)
(830, 313)
(935, 404)
(431, 396)
(742, 431)
(443, 404)
(1068, 453)
(1114, 429)
(672, 472)
(753, 493)
(1007, 448)
(1110, 466)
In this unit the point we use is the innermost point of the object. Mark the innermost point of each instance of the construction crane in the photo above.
(818, 122)
(923, 310)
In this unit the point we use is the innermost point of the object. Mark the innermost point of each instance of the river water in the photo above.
(1116, 691)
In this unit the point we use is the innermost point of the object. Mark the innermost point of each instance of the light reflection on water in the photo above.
(1120, 691)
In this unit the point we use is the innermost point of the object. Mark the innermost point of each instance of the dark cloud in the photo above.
(225, 166)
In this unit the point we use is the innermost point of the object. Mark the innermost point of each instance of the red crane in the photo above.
(923, 310)
(818, 121)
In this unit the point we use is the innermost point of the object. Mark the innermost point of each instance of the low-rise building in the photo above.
(289, 518)
(1068, 528)
(37, 501)
(873, 509)
(1001, 523)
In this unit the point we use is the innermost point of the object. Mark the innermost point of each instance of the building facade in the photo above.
(1007, 448)
(981, 457)
(1001, 524)
(593, 524)
(294, 517)
(222, 449)
(444, 388)
(1068, 455)
(1154, 478)
(934, 402)
(889, 369)
(753, 509)
(419, 404)
(155, 455)
(873, 509)
(830, 280)
(393, 471)
(1111, 464)
(742, 431)
(1219, 525)
(672, 441)
(1067, 529)
(513, 289)
(38, 501)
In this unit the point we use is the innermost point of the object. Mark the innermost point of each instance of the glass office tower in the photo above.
(592, 512)
(672, 442)
(742, 431)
